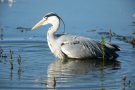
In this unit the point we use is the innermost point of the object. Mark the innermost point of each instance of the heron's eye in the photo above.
(45, 18)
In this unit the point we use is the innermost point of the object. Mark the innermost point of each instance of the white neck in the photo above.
(51, 35)
(55, 26)
(53, 29)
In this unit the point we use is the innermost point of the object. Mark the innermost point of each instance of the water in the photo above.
(40, 70)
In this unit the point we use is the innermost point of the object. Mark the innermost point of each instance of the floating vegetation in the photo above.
(107, 33)
(123, 38)
(93, 30)
(133, 32)
(127, 39)
(23, 29)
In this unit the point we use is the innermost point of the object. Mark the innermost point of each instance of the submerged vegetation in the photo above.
(125, 82)
(10, 58)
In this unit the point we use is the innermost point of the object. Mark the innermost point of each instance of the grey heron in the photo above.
(73, 46)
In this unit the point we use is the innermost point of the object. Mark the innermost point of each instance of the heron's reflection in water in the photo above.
(67, 70)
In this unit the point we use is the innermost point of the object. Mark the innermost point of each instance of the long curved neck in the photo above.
(51, 35)
(53, 29)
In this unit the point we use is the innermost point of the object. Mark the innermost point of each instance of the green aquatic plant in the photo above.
(103, 46)
(110, 36)
(19, 60)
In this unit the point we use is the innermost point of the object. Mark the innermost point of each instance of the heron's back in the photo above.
(81, 47)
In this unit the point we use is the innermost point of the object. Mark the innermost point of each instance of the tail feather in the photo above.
(116, 47)
(113, 47)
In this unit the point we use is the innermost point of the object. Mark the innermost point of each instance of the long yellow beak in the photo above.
(38, 24)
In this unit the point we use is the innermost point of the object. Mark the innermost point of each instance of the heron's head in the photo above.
(50, 18)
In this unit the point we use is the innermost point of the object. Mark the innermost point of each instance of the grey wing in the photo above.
(79, 47)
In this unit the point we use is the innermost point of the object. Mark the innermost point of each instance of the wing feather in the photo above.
(79, 47)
